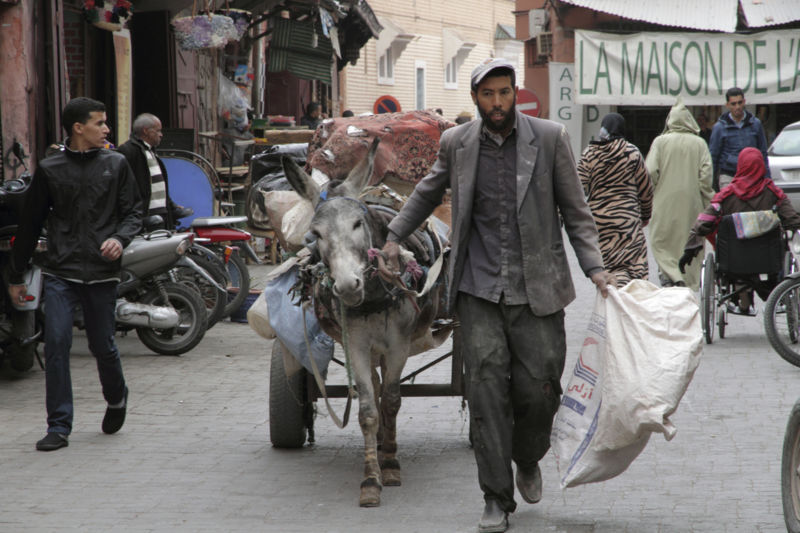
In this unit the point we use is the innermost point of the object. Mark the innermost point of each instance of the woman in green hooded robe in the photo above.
(680, 167)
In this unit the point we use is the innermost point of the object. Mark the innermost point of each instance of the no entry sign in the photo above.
(386, 104)
(528, 103)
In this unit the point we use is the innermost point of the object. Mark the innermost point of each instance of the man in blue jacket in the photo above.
(734, 131)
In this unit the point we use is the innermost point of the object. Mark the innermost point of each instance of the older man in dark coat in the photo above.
(149, 170)
(510, 175)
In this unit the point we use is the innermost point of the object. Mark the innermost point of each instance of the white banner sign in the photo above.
(654, 68)
(563, 108)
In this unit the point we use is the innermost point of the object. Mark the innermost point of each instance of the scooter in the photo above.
(18, 335)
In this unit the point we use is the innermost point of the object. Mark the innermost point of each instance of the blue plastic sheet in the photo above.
(286, 320)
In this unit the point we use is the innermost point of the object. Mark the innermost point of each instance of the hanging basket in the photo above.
(108, 15)
(241, 21)
(204, 30)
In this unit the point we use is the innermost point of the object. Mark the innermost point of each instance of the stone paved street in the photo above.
(195, 452)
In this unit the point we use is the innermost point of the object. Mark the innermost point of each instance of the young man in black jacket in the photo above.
(149, 170)
(87, 198)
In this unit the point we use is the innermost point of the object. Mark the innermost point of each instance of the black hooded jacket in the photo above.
(84, 198)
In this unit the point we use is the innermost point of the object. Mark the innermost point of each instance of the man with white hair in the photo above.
(149, 170)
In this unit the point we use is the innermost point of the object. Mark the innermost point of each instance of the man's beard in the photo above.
(506, 122)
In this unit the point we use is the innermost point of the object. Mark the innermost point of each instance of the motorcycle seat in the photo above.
(201, 222)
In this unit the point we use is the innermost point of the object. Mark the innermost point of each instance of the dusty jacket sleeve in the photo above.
(427, 196)
(645, 189)
(703, 226)
(129, 207)
(578, 219)
(37, 205)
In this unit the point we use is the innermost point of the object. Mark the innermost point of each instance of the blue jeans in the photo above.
(98, 302)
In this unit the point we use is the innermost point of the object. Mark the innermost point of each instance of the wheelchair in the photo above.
(758, 264)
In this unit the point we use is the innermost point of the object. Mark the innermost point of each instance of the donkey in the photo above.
(378, 335)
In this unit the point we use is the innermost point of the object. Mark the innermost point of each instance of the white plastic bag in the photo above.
(641, 350)
(258, 317)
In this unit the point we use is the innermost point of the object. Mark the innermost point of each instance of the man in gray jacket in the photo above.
(510, 177)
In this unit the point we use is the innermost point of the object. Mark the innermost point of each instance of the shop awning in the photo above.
(392, 35)
(290, 49)
(760, 13)
(707, 15)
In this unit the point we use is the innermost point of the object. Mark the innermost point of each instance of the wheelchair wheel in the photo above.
(782, 320)
(721, 320)
(707, 300)
(789, 264)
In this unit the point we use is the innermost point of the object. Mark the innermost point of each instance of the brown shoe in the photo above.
(529, 483)
(494, 519)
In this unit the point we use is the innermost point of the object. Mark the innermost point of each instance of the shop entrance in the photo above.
(643, 124)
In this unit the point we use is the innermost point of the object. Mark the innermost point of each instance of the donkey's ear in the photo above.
(359, 177)
(300, 181)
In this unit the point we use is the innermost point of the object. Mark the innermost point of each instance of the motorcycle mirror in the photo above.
(19, 151)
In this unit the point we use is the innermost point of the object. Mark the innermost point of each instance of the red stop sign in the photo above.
(528, 103)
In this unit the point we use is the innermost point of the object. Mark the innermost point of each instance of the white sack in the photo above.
(295, 224)
(641, 350)
(258, 317)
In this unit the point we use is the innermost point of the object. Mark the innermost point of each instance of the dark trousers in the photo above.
(98, 302)
(514, 361)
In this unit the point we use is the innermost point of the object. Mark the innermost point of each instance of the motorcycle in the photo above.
(169, 317)
(213, 231)
(210, 288)
(18, 335)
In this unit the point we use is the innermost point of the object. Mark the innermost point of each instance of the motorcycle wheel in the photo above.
(23, 326)
(192, 327)
(240, 279)
(213, 299)
(790, 478)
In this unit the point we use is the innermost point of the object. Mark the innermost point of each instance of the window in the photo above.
(388, 48)
(420, 84)
(386, 68)
(451, 74)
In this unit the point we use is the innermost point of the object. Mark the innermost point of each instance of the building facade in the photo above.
(695, 50)
(425, 53)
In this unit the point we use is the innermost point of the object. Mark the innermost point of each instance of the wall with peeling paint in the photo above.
(17, 85)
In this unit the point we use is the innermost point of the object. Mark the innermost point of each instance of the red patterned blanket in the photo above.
(409, 144)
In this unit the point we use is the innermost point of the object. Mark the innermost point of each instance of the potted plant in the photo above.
(109, 15)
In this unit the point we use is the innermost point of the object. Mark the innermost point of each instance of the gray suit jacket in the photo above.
(547, 182)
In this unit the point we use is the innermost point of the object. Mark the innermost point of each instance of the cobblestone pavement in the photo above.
(195, 452)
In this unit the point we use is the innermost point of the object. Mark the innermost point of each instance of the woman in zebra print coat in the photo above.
(620, 195)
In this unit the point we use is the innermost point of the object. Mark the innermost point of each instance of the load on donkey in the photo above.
(335, 277)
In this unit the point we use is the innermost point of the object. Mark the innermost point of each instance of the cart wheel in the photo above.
(708, 302)
(287, 409)
(721, 320)
(790, 477)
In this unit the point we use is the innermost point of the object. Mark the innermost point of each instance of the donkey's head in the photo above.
(342, 226)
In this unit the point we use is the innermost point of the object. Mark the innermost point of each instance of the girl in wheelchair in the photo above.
(749, 191)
